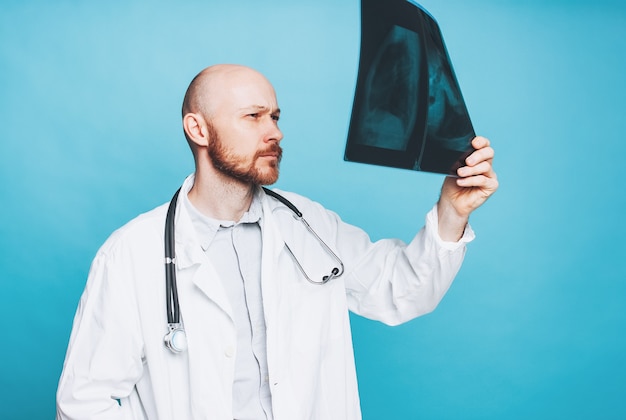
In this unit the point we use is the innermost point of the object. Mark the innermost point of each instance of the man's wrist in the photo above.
(451, 225)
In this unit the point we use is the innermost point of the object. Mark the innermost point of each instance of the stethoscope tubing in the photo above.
(175, 339)
(172, 305)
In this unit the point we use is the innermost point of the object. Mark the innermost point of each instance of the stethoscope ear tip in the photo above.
(333, 274)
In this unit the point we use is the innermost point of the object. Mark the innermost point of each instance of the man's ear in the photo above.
(196, 129)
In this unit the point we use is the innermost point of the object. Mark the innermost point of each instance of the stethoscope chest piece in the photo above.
(176, 339)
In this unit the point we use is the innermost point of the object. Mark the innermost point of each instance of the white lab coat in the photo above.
(118, 367)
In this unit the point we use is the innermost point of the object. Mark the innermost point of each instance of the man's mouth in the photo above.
(275, 151)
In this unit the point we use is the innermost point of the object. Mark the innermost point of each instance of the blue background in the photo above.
(534, 326)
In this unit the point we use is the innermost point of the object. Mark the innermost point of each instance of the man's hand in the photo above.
(461, 196)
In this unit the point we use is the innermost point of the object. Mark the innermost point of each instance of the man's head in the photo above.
(230, 119)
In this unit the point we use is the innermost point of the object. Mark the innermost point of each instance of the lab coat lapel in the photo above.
(275, 294)
(195, 272)
(272, 278)
(193, 265)
(273, 245)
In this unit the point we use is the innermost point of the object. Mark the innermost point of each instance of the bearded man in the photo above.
(264, 296)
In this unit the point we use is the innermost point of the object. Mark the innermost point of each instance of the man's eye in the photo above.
(276, 117)
(254, 115)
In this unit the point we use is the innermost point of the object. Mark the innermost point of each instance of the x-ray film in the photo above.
(408, 110)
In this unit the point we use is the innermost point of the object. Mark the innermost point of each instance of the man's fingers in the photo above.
(488, 183)
(479, 142)
(480, 168)
(480, 155)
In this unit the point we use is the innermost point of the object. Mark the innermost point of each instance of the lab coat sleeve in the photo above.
(393, 282)
(389, 280)
(104, 356)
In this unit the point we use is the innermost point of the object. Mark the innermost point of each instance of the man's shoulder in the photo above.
(143, 229)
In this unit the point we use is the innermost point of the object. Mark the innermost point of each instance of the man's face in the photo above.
(244, 133)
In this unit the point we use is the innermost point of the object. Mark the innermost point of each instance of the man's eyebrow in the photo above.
(261, 108)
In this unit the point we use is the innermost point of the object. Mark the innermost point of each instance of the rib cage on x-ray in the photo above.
(391, 92)
(408, 110)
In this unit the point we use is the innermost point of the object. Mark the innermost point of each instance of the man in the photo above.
(262, 341)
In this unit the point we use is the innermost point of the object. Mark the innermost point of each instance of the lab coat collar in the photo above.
(188, 249)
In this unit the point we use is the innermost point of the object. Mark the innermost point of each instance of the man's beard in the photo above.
(236, 167)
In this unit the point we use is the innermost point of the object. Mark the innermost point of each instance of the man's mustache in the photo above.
(273, 149)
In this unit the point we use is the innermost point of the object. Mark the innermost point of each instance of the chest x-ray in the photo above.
(408, 109)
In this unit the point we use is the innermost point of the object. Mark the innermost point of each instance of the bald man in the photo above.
(264, 297)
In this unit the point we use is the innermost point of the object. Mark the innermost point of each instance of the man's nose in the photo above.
(274, 133)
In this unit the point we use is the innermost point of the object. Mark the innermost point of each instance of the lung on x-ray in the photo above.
(408, 110)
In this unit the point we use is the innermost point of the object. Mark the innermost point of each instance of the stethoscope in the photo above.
(176, 339)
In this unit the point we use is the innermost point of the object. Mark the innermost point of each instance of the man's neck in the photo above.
(221, 197)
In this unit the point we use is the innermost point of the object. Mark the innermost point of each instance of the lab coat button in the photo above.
(229, 351)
